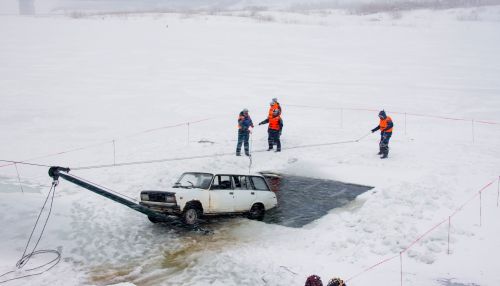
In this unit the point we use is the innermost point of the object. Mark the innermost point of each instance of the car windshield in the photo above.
(194, 180)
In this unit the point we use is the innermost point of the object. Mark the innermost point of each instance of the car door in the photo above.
(221, 194)
(244, 195)
(263, 193)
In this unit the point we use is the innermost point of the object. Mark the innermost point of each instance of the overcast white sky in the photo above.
(44, 6)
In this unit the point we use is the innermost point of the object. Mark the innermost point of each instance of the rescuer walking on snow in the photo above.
(244, 125)
(274, 130)
(385, 127)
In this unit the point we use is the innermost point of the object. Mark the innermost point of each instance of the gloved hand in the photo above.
(261, 123)
(373, 131)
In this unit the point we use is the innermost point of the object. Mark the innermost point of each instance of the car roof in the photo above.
(226, 173)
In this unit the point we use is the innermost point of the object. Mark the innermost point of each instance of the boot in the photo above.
(385, 153)
(380, 152)
(247, 153)
(238, 154)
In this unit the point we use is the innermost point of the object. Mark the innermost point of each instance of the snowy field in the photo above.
(68, 82)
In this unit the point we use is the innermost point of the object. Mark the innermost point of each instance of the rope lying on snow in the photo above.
(26, 256)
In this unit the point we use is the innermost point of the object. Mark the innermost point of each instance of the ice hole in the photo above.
(301, 200)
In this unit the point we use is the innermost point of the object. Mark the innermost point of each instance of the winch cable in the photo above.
(25, 258)
(25, 163)
(214, 155)
(250, 155)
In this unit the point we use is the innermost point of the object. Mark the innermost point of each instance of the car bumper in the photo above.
(167, 208)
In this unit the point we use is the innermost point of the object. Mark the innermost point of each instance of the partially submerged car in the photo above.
(198, 194)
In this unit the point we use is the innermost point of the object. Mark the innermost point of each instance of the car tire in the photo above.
(191, 215)
(257, 212)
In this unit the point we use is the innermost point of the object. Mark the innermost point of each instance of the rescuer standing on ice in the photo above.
(385, 127)
(244, 128)
(274, 130)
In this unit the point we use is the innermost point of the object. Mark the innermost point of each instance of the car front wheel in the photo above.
(191, 215)
(257, 212)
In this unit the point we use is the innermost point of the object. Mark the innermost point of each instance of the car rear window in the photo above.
(259, 183)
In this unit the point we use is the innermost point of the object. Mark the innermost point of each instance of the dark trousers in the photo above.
(384, 142)
(243, 137)
(274, 138)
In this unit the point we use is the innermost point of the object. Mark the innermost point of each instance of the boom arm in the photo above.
(56, 172)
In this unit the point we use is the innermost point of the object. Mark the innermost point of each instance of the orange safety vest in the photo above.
(274, 122)
(383, 124)
(273, 108)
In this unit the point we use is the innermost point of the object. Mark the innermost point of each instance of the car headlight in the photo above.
(144, 197)
(170, 199)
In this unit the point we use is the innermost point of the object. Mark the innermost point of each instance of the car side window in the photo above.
(259, 184)
(241, 183)
(222, 183)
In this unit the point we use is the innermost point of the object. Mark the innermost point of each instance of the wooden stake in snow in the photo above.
(498, 190)
(449, 226)
(480, 210)
(405, 123)
(401, 266)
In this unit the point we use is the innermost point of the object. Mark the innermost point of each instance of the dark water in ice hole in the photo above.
(301, 200)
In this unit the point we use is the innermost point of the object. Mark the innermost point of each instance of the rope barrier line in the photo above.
(398, 112)
(447, 219)
(54, 154)
(424, 235)
(22, 163)
(373, 266)
(472, 198)
(167, 127)
(211, 155)
(105, 142)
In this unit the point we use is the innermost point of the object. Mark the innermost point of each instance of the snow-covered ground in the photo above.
(71, 82)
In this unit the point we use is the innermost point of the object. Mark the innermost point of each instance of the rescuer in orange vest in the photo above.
(274, 105)
(385, 127)
(274, 130)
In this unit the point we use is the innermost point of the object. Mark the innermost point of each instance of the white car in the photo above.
(198, 194)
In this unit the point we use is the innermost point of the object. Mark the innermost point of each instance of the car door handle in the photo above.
(253, 193)
(231, 193)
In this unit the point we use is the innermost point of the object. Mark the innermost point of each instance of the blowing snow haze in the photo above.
(363, 6)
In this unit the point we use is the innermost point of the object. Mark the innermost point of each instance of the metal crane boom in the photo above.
(56, 172)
